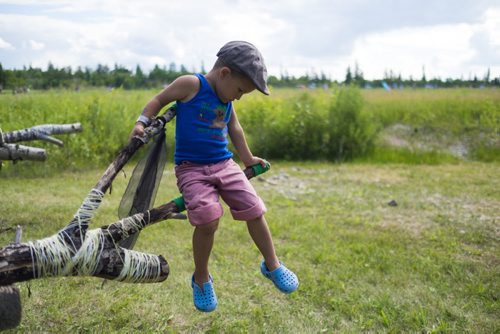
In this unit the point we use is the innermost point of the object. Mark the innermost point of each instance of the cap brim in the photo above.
(264, 90)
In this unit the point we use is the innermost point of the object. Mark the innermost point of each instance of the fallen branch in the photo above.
(15, 152)
(95, 254)
(41, 132)
(76, 251)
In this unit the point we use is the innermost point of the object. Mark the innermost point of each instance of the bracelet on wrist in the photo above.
(144, 120)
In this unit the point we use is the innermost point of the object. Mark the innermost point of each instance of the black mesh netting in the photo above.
(143, 185)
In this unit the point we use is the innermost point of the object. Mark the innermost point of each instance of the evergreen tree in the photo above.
(139, 77)
(487, 77)
(172, 67)
(120, 76)
(3, 78)
(348, 76)
(424, 79)
(184, 70)
(358, 76)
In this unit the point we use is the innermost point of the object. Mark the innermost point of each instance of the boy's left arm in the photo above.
(239, 141)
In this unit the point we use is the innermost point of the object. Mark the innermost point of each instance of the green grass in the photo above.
(430, 264)
(337, 124)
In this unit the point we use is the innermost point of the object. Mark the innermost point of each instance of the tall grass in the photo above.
(457, 110)
(338, 125)
(309, 126)
(107, 118)
(471, 116)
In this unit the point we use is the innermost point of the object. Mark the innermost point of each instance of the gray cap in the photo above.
(245, 58)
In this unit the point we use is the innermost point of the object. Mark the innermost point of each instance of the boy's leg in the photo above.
(204, 296)
(203, 240)
(284, 279)
(261, 235)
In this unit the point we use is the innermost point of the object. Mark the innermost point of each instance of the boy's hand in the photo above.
(256, 160)
(137, 131)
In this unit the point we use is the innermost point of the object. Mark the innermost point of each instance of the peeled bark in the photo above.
(41, 132)
(15, 152)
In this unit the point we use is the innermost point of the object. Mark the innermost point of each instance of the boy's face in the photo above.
(232, 86)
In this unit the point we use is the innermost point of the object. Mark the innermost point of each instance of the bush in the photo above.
(307, 130)
(308, 126)
(350, 134)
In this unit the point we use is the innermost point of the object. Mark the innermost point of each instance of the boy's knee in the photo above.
(259, 219)
(209, 228)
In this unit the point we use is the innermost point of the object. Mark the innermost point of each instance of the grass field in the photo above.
(429, 264)
(406, 126)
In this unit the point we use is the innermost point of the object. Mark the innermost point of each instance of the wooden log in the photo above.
(41, 132)
(70, 246)
(18, 261)
(133, 145)
(16, 152)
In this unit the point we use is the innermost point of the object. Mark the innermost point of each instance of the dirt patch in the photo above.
(285, 184)
(421, 139)
(388, 197)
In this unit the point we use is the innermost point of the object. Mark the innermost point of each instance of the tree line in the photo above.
(119, 76)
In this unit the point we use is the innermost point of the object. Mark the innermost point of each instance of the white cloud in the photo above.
(296, 36)
(441, 50)
(36, 46)
(5, 45)
(486, 42)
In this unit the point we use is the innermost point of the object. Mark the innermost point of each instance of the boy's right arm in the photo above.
(183, 89)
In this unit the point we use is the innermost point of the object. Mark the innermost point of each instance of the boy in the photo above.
(204, 165)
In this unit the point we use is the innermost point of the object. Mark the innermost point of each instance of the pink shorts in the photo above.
(201, 186)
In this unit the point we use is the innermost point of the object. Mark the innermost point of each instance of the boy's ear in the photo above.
(224, 71)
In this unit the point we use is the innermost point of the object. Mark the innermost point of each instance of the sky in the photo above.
(441, 38)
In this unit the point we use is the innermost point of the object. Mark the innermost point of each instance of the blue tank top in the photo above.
(201, 127)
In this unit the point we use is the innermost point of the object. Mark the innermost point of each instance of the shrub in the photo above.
(350, 134)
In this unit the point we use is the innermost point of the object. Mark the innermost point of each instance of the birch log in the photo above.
(16, 152)
(41, 132)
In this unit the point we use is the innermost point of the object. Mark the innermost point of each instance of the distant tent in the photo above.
(385, 85)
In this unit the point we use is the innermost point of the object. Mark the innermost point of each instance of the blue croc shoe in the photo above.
(204, 297)
(283, 278)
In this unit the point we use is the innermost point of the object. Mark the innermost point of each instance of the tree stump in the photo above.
(10, 307)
